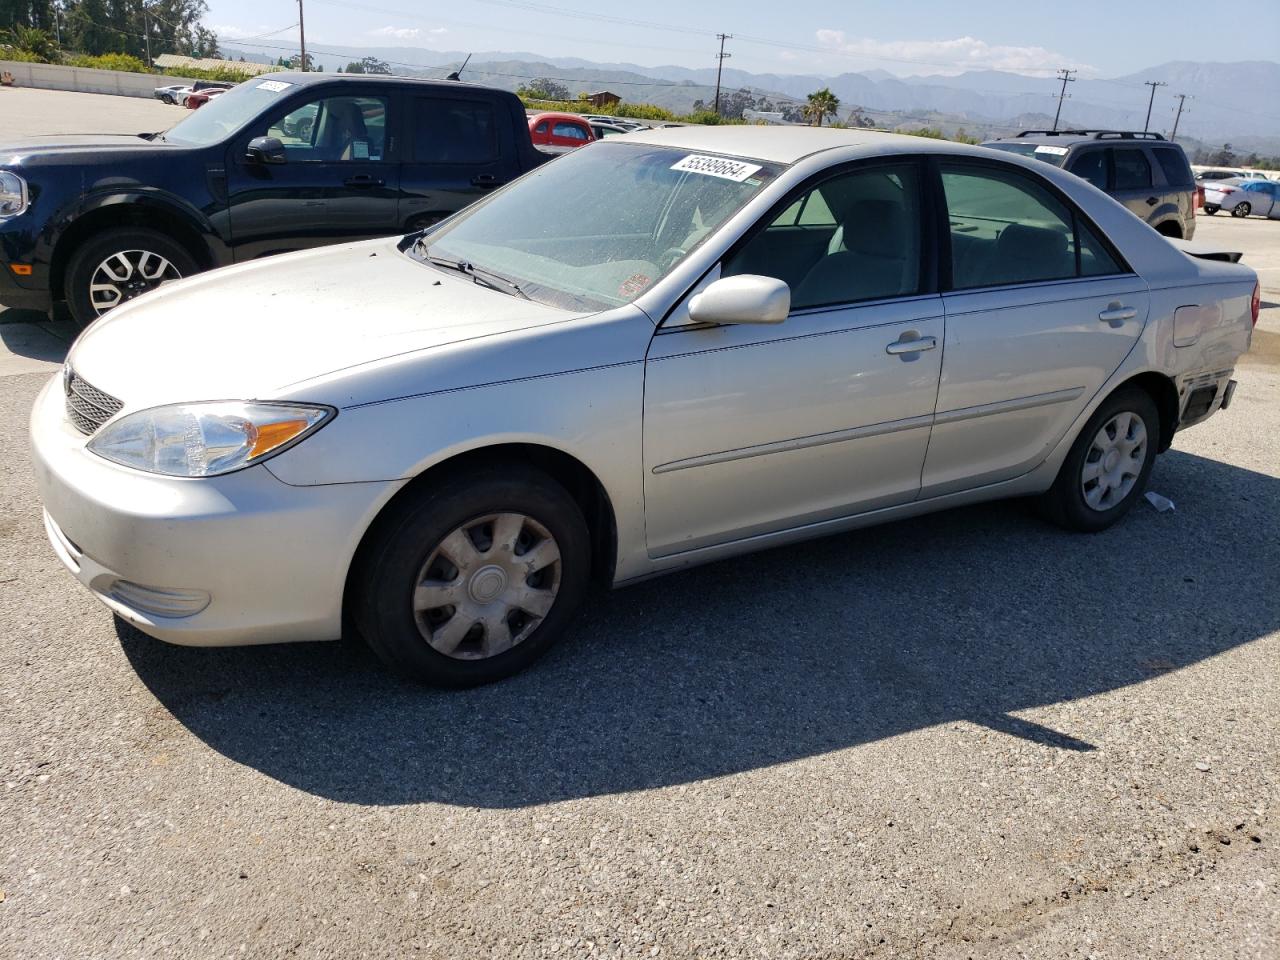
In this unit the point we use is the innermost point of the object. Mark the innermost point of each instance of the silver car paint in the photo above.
(733, 448)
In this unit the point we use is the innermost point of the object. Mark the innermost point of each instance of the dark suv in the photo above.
(1147, 173)
(280, 162)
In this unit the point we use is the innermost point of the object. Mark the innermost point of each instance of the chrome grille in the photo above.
(88, 408)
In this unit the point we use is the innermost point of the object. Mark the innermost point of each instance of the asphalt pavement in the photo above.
(965, 735)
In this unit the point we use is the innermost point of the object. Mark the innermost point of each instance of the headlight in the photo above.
(206, 439)
(13, 194)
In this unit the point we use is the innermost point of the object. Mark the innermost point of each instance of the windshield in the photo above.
(226, 113)
(1042, 151)
(595, 228)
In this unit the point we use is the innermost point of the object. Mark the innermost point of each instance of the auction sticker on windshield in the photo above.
(275, 86)
(1052, 151)
(734, 170)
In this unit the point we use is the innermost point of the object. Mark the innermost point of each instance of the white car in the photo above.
(1243, 197)
(741, 337)
(174, 93)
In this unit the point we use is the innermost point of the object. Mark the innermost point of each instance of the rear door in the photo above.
(1040, 313)
(1132, 180)
(340, 179)
(457, 151)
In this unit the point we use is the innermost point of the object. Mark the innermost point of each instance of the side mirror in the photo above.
(743, 299)
(265, 150)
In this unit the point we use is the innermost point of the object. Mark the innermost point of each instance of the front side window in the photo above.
(853, 237)
(638, 210)
(1092, 166)
(1006, 229)
(1133, 169)
(454, 131)
(333, 130)
(569, 130)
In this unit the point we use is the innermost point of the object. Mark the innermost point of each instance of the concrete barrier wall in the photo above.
(48, 76)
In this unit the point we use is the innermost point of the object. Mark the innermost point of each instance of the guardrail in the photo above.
(51, 76)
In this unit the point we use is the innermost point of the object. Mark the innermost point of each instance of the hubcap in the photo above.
(1114, 461)
(487, 586)
(125, 275)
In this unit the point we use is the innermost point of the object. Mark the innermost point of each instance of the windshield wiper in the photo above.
(487, 278)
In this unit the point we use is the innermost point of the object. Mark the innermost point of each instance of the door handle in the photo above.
(1117, 313)
(363, 180)
(484, 180)
(1152, 201)
(911, 346)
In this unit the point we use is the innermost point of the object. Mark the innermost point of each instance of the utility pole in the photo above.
(146, 29)
(1066, 77)
(1182, 97)
(720, 58)
(302, 37)
(1146, 83)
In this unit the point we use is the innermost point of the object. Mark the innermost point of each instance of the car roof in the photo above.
(1072, 137)
(314, 77)
(553, 115)
(787, 144)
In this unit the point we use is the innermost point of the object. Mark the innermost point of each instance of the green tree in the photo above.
(1226, 157)
(544, 88)
(821, 104)
(31, 41)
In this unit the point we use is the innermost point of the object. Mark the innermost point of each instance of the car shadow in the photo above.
(968, 615)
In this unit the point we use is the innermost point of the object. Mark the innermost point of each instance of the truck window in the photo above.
(1092, 166)
(1133, 170)
(454, 131)
(1174, 164)
(333, 130)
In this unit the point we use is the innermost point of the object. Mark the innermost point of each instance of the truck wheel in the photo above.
(118, 265)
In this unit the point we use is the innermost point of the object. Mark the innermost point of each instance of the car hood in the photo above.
(259, 330)
(85, 146)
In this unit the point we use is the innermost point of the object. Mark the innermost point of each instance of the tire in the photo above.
(1067, 503)
(415, 568)
(1210, 211)
(174, 262)
(1241, 210)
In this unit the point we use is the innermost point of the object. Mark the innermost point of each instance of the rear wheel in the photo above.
(1241, 209)
(1210, 211)
(474, 579)
(1108, 466)
(115, 266)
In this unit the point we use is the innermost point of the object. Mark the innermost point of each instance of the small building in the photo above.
(603, 99)
(166, 61)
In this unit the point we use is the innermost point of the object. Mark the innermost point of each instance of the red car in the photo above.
(199, 99)
(559, 132)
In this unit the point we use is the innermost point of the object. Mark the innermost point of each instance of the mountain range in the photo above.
(1237, 102)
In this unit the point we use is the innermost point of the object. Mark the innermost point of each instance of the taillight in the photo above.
(1225, 190)
(1199, 196)
(1255, 304)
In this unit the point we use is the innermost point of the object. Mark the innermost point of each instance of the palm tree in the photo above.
(822, 104)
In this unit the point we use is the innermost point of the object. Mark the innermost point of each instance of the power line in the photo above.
(1152, 84)
(1066, 77)
(720, 58)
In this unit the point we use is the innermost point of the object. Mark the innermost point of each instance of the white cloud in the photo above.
(407, 33)
(230, 32)
(947, 56)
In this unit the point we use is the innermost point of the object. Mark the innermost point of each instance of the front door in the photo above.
(340, 179)
(752, 429)
(1042, 312)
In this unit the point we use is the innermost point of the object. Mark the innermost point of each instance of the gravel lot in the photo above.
(968, 735)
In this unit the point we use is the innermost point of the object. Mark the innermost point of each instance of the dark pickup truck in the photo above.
(281, 162)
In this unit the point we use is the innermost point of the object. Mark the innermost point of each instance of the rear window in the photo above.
(1133, 169)
(1174, 164)
(454, 131)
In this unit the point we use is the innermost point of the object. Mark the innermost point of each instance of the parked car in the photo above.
(740, 338)
(602, 130)
(559, 132)
(198, 98)
(1144, 171)
(283, 162)
(1243, 197)
(614, 121)
(170, 93)
(1217, 173)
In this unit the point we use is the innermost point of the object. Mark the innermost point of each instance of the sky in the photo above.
(903, 37)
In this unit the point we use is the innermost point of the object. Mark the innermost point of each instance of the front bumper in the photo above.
(13, 294)
(257, 560)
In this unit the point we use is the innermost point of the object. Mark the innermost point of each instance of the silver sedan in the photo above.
(1243, 197)
(654, 352)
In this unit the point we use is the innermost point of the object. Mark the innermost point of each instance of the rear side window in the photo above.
(454, 131)
(1007, 229)
(1092, 166)
(1173, 163)
(1133, 169)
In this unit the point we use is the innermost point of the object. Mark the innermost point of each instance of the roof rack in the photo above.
(1095, 134)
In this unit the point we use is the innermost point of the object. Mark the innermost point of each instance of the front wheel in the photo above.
(1108, 465)
(117, 265)
(1210, 211)
(1241, 210)
(472, 580)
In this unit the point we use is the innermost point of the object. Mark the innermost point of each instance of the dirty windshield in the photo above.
(597, 227)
